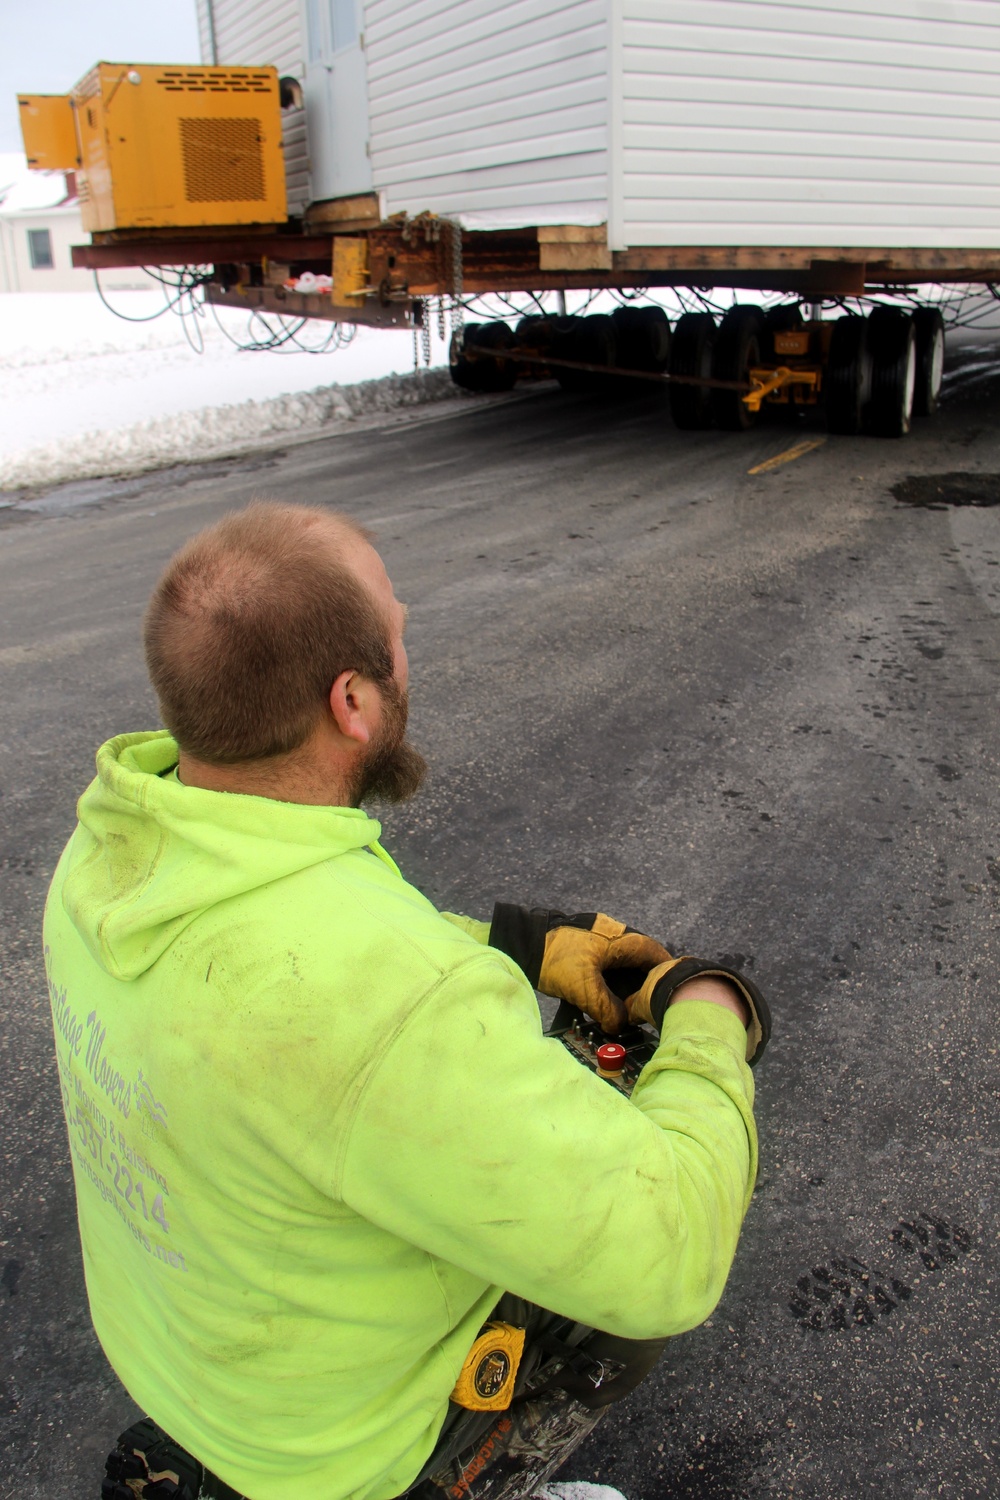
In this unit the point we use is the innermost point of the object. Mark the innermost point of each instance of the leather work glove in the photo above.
(567, 956)
(649, 1003)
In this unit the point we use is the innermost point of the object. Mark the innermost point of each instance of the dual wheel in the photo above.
(476, 357)
(884, 370)
(881, 371)
(728, 351)
(631, 338)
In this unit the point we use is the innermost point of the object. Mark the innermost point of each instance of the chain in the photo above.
(425, 335)
(442, 327)
(457, 310)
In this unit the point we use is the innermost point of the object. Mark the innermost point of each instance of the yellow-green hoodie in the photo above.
(316, 1130)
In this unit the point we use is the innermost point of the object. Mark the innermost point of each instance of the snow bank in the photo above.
(68, 366)
(216, 431)
(84, 394)
(579, 1490)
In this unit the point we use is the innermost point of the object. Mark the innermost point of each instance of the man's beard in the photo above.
(392, 769)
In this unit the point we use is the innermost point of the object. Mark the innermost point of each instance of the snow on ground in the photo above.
(84, 393)
(579, 1490)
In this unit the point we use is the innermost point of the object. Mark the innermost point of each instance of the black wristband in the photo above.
(691, 968)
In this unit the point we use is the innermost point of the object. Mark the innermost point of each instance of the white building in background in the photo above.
(39, 221)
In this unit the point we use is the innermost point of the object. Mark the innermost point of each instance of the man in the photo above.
(317, 1132)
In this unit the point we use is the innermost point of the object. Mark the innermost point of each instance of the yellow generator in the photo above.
(164, 147)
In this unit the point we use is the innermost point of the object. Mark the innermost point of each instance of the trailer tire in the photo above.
(929, 326)
(848, 376)
(691, 354)
(892, 340)
(592, 342)
(643, 338)
(534, 331)
(480, 373)
(463, 370)
(738, 348)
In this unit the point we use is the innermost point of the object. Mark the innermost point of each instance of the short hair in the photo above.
(249, 626)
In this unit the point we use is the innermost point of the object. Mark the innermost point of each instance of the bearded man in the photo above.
(349, 1220)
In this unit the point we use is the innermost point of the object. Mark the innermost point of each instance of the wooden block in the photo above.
(573, 234)
(359, 208)
(574, 257)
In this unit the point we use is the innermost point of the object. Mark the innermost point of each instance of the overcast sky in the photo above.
(46, 46)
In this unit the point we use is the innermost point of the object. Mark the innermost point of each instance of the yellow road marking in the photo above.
(799, 451)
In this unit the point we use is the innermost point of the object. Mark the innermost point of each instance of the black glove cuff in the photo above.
(519, 931)
(690, 968)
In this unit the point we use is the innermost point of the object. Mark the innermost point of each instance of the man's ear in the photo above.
(351, 707)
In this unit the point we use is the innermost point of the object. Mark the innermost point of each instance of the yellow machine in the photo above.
(164, 147)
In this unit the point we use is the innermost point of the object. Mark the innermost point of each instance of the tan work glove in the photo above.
(567, 957)
(648, 1004)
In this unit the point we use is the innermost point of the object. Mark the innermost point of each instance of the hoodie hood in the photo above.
(151, 855)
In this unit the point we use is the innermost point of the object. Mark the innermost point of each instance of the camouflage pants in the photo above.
(569, 1376)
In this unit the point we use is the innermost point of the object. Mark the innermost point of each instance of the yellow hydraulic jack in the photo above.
(801, 379)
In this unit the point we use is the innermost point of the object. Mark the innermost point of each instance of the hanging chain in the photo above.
(457, 310)
(425, 334)
(442, 326)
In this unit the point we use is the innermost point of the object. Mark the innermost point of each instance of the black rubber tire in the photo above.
(738, 347)
(643, 338)
(691, 354)
(929, 326)
(892, 342)
(592, 341)
(847, 379)
(479, 374)
(534, 331)
(464, 372)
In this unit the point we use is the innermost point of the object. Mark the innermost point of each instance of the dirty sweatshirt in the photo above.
(316, 1131)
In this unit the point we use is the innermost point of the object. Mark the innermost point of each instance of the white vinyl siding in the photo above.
(495, 110)
(836, 123)
(261, 33)
(832, 124)
(253, 34)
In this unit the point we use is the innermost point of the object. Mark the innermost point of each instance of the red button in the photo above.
(611, 1057)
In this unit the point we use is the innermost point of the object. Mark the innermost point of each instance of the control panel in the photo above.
(618, 1059)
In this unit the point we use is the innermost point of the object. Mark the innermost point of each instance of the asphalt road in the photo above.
(756, 715)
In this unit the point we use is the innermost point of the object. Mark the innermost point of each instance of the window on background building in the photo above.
(40, 249)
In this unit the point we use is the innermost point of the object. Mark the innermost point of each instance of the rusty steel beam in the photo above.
(415, 259)
(300, 250)
(284, 303)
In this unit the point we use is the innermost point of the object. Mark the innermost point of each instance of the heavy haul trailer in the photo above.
(452, 148)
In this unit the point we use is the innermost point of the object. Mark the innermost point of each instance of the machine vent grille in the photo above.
(223, 161)
(199, 81)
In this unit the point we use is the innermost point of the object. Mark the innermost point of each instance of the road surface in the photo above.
(754, 714)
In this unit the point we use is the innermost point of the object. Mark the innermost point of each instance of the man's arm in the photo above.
(488, 1145)
(478, 930)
